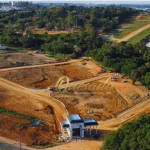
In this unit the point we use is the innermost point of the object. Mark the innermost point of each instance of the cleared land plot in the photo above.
(145, 17)
(139, 37)
(129, 28)
(134, 33)
(134, 24)
(43, 77)
(22, 59)
(101, 106)
(24, 102)
(108, 100)
(13, 127)
(112, 94)
(42, 31)
(28, 102)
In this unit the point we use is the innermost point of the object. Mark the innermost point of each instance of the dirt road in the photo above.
(59, 110)
(82, 144)
(43, 65)
(122, 117)
(61, 114)
(125, 115)
(67, 84)
(134, 33)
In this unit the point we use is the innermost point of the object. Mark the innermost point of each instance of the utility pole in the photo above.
(20, 141)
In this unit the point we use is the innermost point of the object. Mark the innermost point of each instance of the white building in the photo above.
(76, 127)
(2, 47)
(147, 44)
(13, 3)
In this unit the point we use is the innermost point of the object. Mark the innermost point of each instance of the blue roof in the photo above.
(75, 118)
(88, 122)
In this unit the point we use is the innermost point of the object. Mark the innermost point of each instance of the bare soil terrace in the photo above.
(22, 59)
(111, 98)
(42, 31)
(25, 102)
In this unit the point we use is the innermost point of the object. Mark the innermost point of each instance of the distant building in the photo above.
(76, 127)
(13, 3)
(147, 44)
(2, 47)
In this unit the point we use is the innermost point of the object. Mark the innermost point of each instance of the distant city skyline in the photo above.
(85, 1)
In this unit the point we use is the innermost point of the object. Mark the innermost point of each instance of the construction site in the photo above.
(108, 98)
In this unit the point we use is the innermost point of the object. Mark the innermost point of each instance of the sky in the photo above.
(92, 1)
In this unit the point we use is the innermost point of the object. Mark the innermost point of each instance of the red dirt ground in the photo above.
(111, 98)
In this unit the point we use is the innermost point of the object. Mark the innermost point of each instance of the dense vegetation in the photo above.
(15, 113)
(133, 61)
(87, 25)
(66, 17)
(131, 136)
(103, 18)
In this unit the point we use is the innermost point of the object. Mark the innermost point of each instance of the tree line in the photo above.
(65, 17)
(131, 136)
(130, 60)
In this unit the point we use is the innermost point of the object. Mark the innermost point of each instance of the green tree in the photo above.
(131, 136)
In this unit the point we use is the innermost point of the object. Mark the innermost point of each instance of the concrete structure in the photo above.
(2, 47)
(76, 127)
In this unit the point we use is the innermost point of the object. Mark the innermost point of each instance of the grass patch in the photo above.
(60, 56)
(136, 25)
(15, 113)
(139, 37)
(10, 49)
(145, 17)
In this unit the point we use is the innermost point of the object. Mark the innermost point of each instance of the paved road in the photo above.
(7, 146)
